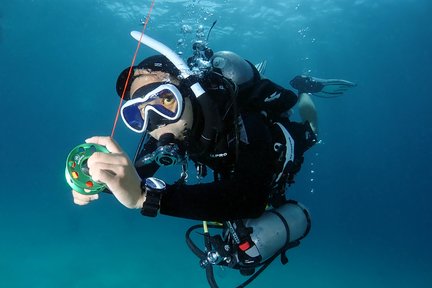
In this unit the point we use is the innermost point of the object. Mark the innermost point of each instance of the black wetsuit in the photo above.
(242, 187)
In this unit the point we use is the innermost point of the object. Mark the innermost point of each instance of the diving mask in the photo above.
(152, 105)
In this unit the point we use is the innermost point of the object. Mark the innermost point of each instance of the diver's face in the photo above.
(178, 128)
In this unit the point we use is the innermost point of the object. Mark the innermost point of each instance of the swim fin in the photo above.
(326, 88)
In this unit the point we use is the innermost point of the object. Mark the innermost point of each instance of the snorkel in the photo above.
(212, 119)
(172, 56)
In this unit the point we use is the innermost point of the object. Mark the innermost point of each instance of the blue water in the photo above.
(367, 184)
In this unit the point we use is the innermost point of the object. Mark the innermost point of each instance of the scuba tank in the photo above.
(249, 244)
(278, 228)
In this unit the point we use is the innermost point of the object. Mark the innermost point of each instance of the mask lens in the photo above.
(132, 116)
(164, 103)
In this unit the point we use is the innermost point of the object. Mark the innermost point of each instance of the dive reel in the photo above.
(248, 244)
(77, 172)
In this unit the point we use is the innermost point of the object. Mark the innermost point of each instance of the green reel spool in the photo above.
(77, 175)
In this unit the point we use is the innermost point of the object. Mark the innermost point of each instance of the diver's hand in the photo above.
(116, 170)
(81, 199)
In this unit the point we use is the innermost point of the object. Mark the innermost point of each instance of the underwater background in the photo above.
(367, 184)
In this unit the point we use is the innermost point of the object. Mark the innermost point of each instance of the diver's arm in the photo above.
(270, 97)
(244, 196)
(308, 111)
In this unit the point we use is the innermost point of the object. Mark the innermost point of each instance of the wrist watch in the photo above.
(153, 189)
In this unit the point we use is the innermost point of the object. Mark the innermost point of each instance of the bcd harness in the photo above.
(290, 139)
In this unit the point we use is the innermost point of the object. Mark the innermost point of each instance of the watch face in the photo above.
(155, 183)
(154, 189)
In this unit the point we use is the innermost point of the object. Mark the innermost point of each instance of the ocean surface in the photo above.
(367, 184)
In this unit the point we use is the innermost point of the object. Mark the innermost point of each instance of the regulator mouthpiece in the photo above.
(167, 154)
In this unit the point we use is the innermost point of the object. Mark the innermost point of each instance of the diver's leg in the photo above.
(308, 111)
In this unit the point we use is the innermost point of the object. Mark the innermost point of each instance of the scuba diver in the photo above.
(224, 116)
